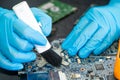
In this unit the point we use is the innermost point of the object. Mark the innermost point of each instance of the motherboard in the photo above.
(57, 9)
(72, 68)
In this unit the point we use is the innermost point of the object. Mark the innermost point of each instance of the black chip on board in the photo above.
(99, 66)
(111, 77)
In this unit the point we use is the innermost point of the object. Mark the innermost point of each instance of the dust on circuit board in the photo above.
(72, 68)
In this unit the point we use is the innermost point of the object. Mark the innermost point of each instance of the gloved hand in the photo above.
(95, 31)
(17, 39)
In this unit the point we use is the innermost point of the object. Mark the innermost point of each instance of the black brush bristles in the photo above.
(52, 57)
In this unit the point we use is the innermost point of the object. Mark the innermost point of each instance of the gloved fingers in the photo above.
(101, 48)
(6, 64)
(112, 35)
(22, 29)
(4, 11)
(93, 43)
(25, 32)
(19, 43)
(104, 45)
(44, 19)
(17, 56)
(10, 52)
(75, 33)
(85, 35)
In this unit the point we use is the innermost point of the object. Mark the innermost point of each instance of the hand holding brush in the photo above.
(24, 13)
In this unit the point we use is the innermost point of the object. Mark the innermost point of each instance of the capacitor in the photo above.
(78, 61)
(65, 63)
(62, 54)
(69, 60)
(75, 75)
(66, 56)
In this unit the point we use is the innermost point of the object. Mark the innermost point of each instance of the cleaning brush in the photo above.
(25, 14)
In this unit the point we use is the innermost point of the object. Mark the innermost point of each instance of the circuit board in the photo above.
(57, 9)
(72, 68)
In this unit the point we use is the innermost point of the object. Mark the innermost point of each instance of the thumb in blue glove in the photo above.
(95, 31)
(17, 40)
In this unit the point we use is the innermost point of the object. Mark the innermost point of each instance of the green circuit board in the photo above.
(57, 9)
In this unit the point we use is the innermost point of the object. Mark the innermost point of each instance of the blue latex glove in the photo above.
(17, 39)
(95, 31)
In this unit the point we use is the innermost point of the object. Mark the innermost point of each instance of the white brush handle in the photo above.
(24, 13)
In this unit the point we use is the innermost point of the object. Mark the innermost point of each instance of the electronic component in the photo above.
(62, 76)
(99, 67)
(38, 76)
(75, 75)
(111, 77)
(78, 61)
(57, 9)
(72, 68)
